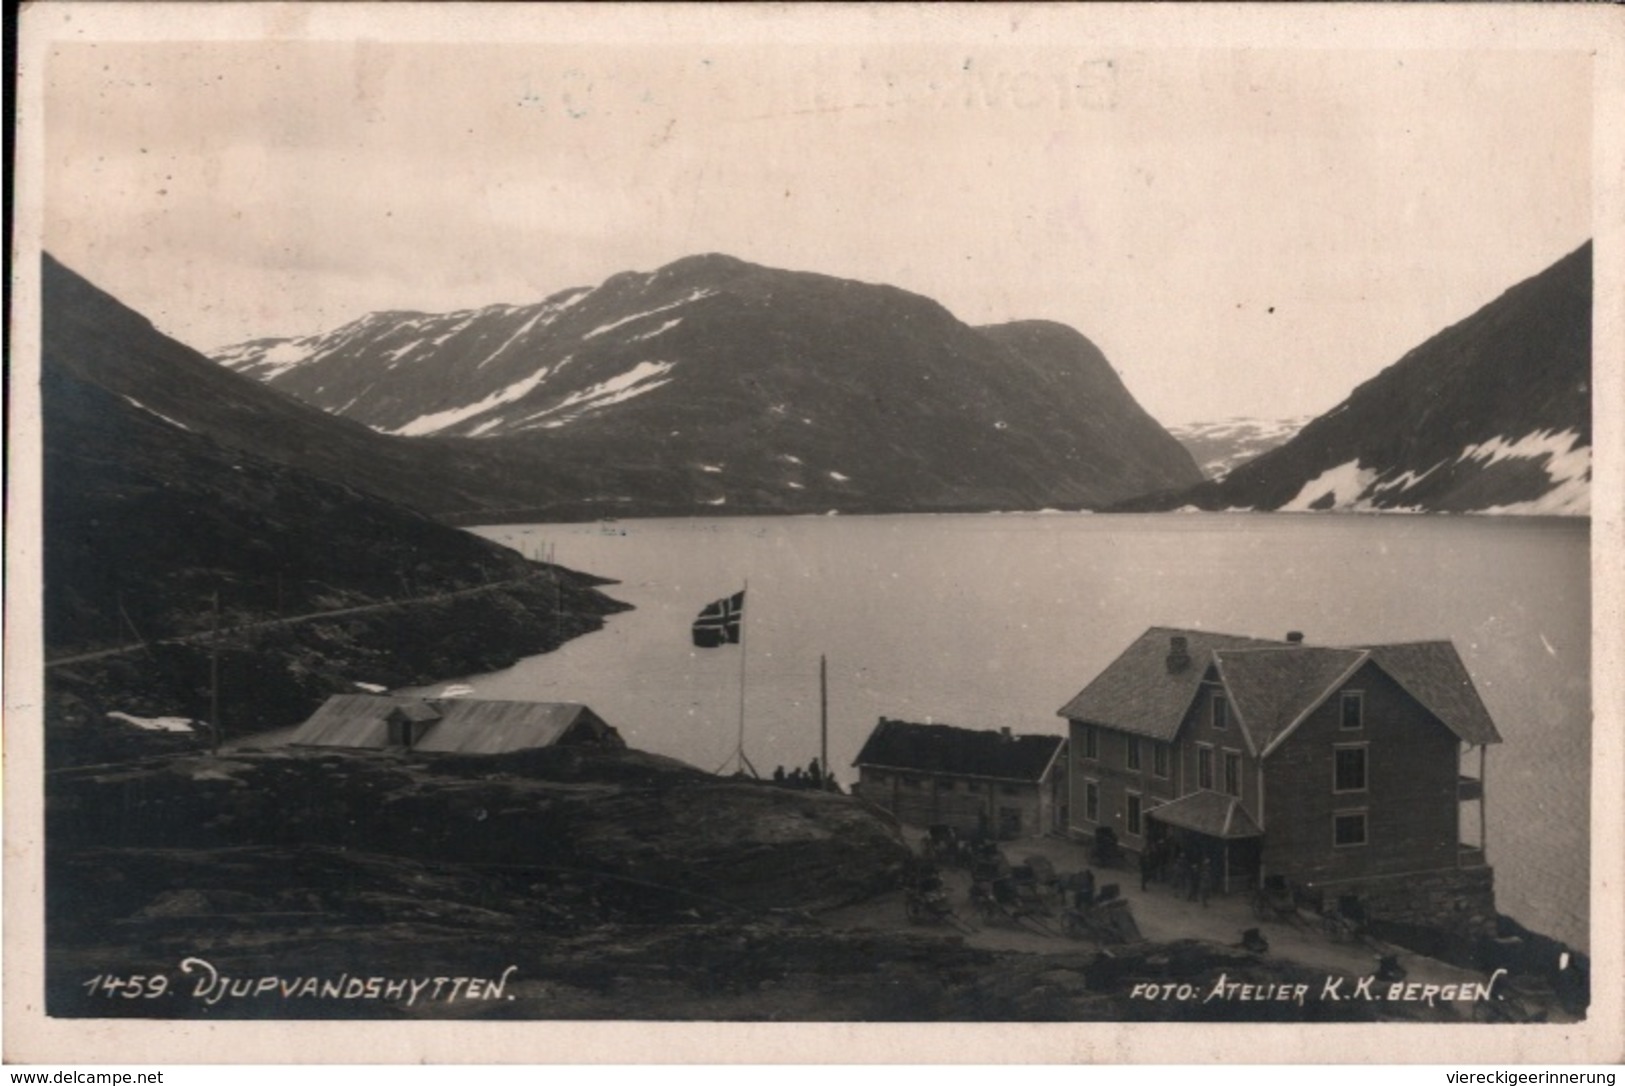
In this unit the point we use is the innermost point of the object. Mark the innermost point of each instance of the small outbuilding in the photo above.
(990, 782)
(462, 725)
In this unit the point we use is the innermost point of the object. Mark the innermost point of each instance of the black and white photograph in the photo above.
(780, 514)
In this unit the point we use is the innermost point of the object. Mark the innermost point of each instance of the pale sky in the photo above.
(1243, 232)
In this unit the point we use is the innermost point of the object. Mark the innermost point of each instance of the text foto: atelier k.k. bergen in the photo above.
(1332, 990)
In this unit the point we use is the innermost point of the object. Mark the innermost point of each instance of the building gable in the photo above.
(1147, 690)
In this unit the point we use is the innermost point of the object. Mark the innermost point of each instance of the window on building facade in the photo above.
(1091, 801)
(973, 786)
(1009, 790)
(1221, 712)
(1348, 769)
(1204, 767)
(945, 786)
(1353, 711)
(1348, 828)
(1159, 759)
(1131, 756)
(1232, 772)
(1091, 742)
(911, 782)
(1131, 813)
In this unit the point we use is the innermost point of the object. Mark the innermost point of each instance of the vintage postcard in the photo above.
(675, 533)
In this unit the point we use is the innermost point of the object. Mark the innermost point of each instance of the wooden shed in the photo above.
(464, 725)
(992, 782)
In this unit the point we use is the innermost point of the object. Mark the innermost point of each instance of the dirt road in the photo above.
(1162, 916)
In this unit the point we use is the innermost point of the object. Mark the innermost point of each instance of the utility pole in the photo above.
(823, 720)
(214, 678)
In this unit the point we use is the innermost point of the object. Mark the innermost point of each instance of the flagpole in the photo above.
(823, 719)
(743, 761)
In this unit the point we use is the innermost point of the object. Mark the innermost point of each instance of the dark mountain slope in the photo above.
(146, 519)
(1493, 413)
(714, 385)
(90, 335)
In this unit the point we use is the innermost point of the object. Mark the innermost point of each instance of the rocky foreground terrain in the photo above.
(554, 884)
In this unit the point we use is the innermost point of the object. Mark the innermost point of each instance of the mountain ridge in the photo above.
(713, 384)
(1491, 414)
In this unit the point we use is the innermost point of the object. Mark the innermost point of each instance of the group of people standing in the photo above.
(812, 777)
(1189, 871)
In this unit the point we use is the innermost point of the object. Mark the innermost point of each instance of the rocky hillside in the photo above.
(166, 488)
(91, 338)
(1219, 447)
(714, 385)
(1492, 415)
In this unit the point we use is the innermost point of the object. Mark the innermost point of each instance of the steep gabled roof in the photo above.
(1137, 693)
(1272, 689)
(965, 752)
(1433, 674)
(1272, 685)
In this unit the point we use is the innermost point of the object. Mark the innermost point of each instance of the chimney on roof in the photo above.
(1004, 733)
(1179, 655)
(1294, 637)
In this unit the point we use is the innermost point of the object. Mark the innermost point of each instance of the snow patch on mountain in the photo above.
(1568, 466)
(1345, 483)
(1407, 480)
(254, 359)
(155, 723)
(668, 326)
(1224, 444)
(440, 420)
(1351, 487)
(692, 296)
(133, 402)
(509, 342)
(641, 378)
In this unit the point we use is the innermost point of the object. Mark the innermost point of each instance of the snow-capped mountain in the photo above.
(1218, 447)
(712, 384)
(1492, 415)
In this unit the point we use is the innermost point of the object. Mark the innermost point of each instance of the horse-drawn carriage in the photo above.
(944, 845)
(926, 901)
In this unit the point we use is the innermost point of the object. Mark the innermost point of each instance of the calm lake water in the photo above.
(997, 620)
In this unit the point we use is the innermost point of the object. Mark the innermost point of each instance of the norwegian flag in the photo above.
(718, 623)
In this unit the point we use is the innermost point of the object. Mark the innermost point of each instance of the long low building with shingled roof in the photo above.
(1341, 770)
(991, 782)
(461, 725)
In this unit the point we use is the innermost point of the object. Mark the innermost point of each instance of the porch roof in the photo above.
(1209, 813)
